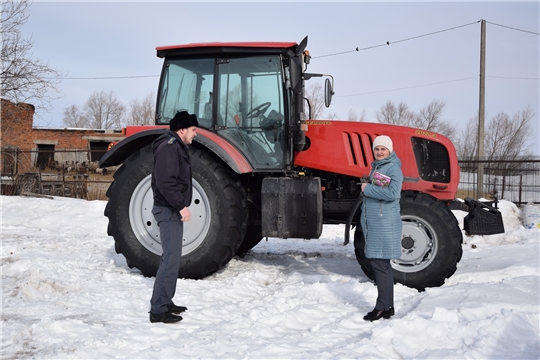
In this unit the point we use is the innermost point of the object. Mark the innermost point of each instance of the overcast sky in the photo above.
(434, 50)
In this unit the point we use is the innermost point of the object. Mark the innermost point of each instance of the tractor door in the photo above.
(250, 108)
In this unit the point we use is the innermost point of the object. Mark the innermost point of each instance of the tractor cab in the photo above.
(250, 94)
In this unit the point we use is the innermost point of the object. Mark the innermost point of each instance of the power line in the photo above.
(508, 27)
(513, 78)
(420, 36)
(147, 76)
(397, 41)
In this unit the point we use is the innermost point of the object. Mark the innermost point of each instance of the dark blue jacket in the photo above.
(380, 218)
(171, 177)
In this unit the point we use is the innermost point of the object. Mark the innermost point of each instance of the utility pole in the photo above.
(481, 113)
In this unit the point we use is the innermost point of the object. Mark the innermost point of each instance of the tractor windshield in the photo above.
(245, 105)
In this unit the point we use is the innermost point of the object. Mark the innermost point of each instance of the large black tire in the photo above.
(211, 237)
(254, 228)
(252, 238)
(430, 245)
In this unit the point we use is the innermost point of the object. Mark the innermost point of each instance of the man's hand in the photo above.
(185, 214)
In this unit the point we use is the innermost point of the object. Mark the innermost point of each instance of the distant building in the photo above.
(27, 149)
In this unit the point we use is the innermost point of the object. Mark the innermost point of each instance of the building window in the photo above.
(45, 157)
(98, 149)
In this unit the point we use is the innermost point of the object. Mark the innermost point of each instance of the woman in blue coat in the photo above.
(381, 223)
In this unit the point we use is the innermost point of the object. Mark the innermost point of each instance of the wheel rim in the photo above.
(418, 245)
(146, 229)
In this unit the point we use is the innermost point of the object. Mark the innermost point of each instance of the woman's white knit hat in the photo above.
(385, 141)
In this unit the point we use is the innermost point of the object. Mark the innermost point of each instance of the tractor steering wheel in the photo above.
(258, 110)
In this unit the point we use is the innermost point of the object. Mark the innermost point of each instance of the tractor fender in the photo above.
(217, 145)
(224, 150)
(129, 145)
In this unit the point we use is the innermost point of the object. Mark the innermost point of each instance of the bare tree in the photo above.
(25, 78)
(467, 142)
(73, 117)
(505, 137)
(395, 115)
(142, 112)
(315, 96)
(332, 116)
(430, 118)
(104, 111)
(353, 116)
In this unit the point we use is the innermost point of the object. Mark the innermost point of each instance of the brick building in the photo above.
(26, 149)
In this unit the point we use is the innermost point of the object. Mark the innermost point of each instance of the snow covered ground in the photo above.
(67, 294)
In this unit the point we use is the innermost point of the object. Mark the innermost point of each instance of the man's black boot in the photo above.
(175, 309)
(164, 318)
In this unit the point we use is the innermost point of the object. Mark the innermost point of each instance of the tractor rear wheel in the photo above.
(252, 238)
(430, 244)
(211, 238)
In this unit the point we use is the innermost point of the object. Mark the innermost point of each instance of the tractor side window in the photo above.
(432, 160)
(186, 85)
(250, 108)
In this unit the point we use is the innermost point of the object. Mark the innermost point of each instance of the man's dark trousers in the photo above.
(171, 231)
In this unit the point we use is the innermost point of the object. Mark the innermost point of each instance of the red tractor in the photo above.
(261, 168)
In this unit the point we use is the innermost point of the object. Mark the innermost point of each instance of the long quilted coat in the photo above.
(380, 217)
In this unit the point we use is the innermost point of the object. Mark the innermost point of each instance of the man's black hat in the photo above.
(183, 120)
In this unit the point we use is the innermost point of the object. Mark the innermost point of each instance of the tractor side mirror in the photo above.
(328, 91)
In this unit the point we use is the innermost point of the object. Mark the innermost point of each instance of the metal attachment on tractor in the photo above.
(483, 219)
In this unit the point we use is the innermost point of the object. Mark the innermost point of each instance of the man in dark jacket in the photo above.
(171, 184)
